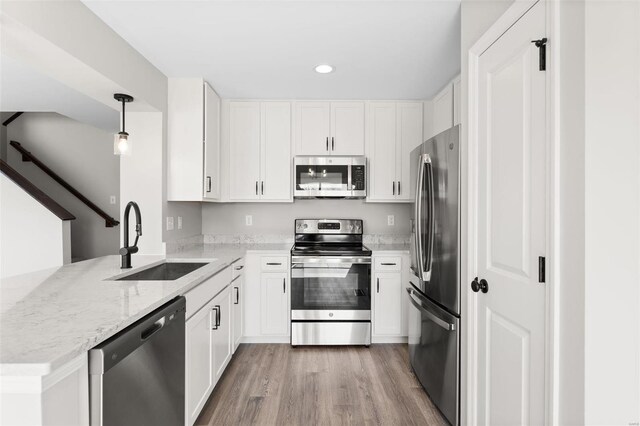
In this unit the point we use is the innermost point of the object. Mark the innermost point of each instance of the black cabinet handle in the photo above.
(388, 264)
(398, 187)
(256, 187)
(284, 285)
(394, 188)
(378, 284)
(237, 268)
(333, 147)
(261, 187)
(215, 320)
(274, 263)
(237, 289)
(208, 183)
(327, 143)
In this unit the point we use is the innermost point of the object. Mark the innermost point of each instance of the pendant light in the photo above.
(122, 141)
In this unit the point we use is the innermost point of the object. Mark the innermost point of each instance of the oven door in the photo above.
(331, 288)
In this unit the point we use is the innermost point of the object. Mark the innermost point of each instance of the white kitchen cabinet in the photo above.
(329, 128)
(200, 376)
(274, 303)
(387, 299)
(395, 129)
(443, 110)
(221, 331)
(237, 285)
(260, 151)
(193, 141)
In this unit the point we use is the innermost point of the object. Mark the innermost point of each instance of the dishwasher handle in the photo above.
(112, 351)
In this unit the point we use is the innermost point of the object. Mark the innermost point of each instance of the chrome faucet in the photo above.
(126, 251)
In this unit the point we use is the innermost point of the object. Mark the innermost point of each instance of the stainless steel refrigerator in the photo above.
(434, 294)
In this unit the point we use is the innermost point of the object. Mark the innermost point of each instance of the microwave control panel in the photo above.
(357, 178)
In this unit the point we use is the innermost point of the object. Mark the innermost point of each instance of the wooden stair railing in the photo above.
(27, 156)
(35, 192)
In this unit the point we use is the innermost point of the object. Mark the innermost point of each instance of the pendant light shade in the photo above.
(122, 140)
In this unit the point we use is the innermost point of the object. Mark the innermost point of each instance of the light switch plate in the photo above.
(179, 222)
(248, 220)
(112, 199)
(169, 223)
(391, 220)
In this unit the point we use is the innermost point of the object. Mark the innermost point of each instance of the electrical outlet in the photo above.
(112, 199)
(169, 223)
(179, 222)
(391, 220)
(248, 220)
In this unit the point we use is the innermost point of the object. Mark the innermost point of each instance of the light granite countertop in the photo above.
(49, 317)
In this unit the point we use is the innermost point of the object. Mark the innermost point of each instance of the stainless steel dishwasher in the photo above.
(137, 376)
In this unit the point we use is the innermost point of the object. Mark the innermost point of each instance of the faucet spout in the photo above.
(127, 250)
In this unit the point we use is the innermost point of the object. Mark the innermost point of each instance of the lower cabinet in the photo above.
(208, 351)
(274, 306)
(387, 299)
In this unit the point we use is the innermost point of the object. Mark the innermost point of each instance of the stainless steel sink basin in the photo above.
(167, 271)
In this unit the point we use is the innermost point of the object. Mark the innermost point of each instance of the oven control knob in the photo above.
(305, 226)
(330, 314)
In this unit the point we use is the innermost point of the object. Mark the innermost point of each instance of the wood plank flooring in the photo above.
(280, 385)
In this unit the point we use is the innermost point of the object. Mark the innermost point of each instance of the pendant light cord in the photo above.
(123, 127)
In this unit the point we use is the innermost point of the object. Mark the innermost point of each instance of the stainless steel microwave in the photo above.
(330, 177)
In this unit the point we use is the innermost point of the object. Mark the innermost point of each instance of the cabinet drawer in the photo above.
(204, 292)
(273, 263)
(388, 263)
(237, 268)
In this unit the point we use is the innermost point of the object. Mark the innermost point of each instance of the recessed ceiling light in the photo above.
(324, 69)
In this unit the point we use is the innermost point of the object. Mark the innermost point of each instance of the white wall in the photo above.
(277, 219)
(612, 212)
(83, 156)
(31, 237)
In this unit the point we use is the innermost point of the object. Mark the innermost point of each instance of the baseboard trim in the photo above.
(266, 339)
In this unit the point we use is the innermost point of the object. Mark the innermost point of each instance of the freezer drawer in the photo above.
(434, 352)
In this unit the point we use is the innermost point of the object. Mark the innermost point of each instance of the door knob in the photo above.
(481, 285)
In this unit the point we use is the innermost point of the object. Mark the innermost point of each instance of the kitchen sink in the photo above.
(167, 271)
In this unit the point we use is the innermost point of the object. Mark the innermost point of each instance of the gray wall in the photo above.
(278, 218)
(83, 156)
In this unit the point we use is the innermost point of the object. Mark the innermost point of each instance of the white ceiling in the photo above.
(24, 89)
(268, 49)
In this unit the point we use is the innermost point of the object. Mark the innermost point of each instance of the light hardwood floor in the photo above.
(280, 385)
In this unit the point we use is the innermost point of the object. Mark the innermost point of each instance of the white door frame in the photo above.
(469, 362)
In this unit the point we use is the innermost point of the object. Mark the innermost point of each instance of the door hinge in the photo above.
(542, 52)
(541, 269)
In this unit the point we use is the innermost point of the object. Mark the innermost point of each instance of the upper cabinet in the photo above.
(193, 143)
(259, 151)
(446, 108)
(329, 128)
(394, 130)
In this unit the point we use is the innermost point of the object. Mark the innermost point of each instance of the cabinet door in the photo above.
(211, 144)
(347, 128)
(244, 150)
(382, 151)
(237, 294)
(387, 299)
(313, 128)
(409, 127)
(221, 332)
(275, 183)
(443, 110)
(274, 306)
(199, 362)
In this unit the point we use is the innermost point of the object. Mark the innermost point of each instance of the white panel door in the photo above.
(199, 362)
(211, 144)
(244, 150)
(275, 183)
(387, 299)
(313, 128)
(347, 128)
(511, 227)
(382, 151)
(409, 129)
(274, 308)
(443, 110)
(221, 331)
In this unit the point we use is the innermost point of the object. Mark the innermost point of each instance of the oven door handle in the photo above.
(299, 260)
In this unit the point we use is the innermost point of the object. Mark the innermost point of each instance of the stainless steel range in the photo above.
(330, 283)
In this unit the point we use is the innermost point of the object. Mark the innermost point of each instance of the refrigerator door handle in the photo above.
(418, 218)
(431, 227)
(442, 323)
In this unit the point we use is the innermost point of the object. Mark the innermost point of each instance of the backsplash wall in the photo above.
(278, 219)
